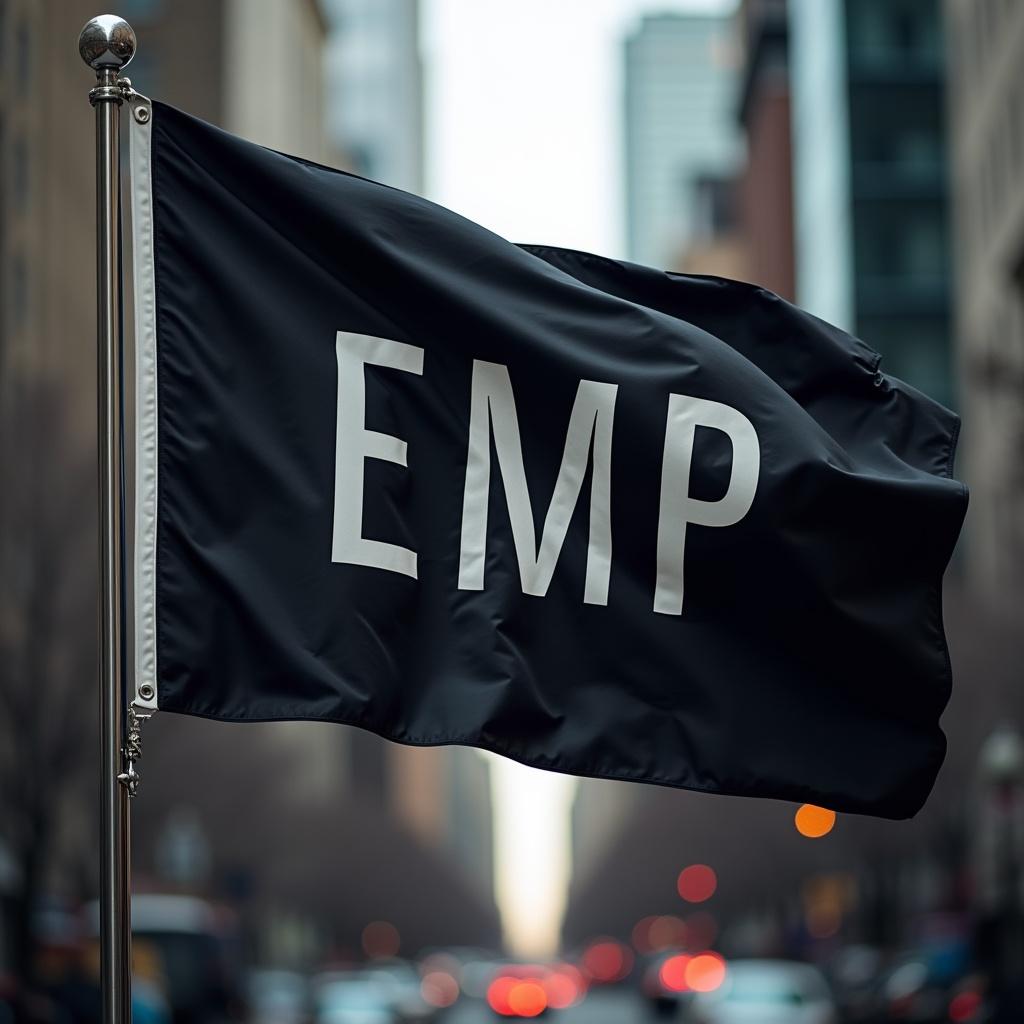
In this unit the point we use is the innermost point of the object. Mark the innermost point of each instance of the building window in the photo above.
(886, 31)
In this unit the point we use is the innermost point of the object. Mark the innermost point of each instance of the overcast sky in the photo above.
(524, 106)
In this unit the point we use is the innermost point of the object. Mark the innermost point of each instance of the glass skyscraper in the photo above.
(870, 170)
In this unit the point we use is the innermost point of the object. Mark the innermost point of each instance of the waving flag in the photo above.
(397, 472)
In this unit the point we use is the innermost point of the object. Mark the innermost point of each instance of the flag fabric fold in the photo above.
(397, 472)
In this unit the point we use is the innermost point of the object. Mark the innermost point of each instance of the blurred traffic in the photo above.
(188, 968)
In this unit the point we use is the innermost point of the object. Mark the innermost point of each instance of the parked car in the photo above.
(765, 992)
(662, 990)
(919, 990)
(534, 990)
(852, 975)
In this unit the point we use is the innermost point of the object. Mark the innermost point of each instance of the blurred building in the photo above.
(375, 77)
(765, 185)
(601, 810)
(443, 796)
(870, 170)
(47, 214)
(716, 243)
(680, 89)
(986, 43)
(47, 446)
(253, 67)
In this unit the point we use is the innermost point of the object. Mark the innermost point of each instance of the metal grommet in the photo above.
(146, 691)
(141, 114)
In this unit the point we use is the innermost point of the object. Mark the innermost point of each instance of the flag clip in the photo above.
(140, 106)
(130, 778)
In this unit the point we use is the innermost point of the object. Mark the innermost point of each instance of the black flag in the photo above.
(397, 472)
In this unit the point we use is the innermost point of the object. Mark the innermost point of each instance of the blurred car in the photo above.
(477, 975)
(918, 989)
(533, 990)
(661, 989)
(517, 990)
(402, 986)
(277, 997)
(765, 992)
(852, 974)
(351, 998)
(197, 953)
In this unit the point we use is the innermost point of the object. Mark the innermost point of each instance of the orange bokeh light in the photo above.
(439, 988)
(697, 883)
(381, 940)
(814, 822)
(705, 972)
(527, 998)
(673, 973)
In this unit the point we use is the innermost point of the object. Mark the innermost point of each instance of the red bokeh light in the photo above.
(673, 973)
(527, 998)
(697, 883)
(381, 940)
(607, 961)
(964, 1006)
(705, 972)
(642, 934)
(498, 992)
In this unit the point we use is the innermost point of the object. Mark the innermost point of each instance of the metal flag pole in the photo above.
(107, 44)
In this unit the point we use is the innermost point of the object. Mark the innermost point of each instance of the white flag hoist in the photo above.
(107, 44)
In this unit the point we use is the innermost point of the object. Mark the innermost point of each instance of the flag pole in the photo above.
(107, 44)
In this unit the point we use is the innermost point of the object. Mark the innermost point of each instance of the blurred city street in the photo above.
(862, 160)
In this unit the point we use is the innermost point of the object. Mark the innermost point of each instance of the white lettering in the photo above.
(493, 409)
(678, 508)
(355, 444)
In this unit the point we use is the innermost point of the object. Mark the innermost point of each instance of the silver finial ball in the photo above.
(106, 42)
